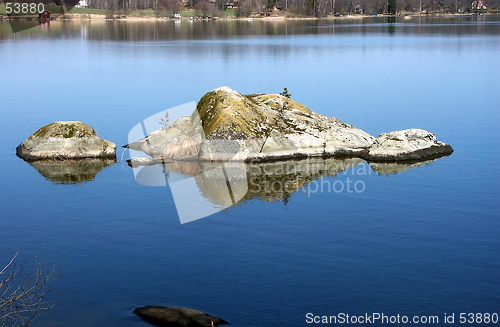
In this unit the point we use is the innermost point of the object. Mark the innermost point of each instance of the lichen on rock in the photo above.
(271, 126)
(229, 126)
(65, 140)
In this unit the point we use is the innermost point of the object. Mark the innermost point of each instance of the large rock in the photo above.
(180, 141)
(177, 317)
(270, 127)
(229, 126)
(65, 140)
(406, 145)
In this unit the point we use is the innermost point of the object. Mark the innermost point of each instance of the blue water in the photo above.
(421, 242)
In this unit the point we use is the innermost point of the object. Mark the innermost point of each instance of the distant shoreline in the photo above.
(146, 17)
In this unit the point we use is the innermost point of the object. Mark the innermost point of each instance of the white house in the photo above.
(82, 4)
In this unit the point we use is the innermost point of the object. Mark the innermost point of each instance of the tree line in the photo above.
(316, 8)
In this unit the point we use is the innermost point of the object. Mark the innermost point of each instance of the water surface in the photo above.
(423, 241)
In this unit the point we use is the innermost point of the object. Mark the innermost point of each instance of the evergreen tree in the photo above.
(391, 7)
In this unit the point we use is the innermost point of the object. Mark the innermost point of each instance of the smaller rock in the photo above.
(177, 317)
(405, 145)
(65, 140)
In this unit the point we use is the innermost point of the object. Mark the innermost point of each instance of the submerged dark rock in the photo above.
(177, 317)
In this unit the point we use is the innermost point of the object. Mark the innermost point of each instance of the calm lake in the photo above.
(418, 240)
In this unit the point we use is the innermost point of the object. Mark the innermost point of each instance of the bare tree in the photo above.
(204, 7)
(245, 8)
(318, 8)
(23, 297)
(171, 6)
(323, 8)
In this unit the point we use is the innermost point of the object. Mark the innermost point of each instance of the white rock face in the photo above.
(229, 126)
(238, 127)
(180, 141)
(408, 144)
(65, 140)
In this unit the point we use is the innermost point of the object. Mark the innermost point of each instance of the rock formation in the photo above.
(407, 145)
(229, 126)
(65, 140)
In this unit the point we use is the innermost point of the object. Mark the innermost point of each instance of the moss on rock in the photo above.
(65, 140)
(271, 125)
(229, 126)
(65, 129)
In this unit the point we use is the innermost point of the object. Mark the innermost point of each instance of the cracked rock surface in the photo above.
(229, 126)
(65, 140)
(407, 145)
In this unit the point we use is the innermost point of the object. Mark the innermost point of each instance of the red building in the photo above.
(478, 5)
(44, 15)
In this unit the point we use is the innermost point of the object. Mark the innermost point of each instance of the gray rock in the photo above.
(271, 127)
(180, 141)
(229, 126)
(406, 145)
(65, 140)
(177, 317)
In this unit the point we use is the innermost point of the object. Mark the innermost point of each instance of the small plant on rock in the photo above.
(164, 122)
(285, 93)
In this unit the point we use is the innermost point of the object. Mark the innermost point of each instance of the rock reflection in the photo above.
(392, 168)
(276, 181)
(226, 183)
(71, 171)
(203, 188)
